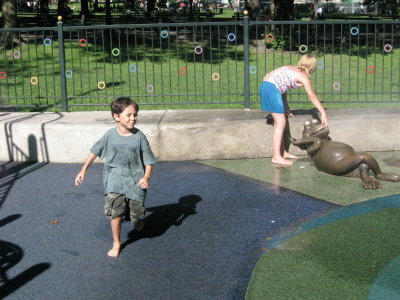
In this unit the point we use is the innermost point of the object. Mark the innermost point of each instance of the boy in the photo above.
(127, 169)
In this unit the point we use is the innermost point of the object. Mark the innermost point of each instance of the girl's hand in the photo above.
(324, 120)
(144, 183)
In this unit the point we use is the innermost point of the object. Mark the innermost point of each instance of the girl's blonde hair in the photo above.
(307, 63)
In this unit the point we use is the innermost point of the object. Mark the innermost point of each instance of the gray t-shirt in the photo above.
(125, 161)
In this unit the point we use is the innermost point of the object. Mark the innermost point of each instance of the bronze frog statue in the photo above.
(338, 158)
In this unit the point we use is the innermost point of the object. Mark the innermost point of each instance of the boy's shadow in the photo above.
(163, 217)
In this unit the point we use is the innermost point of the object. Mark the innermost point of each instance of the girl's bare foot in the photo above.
(114, 252)
(288, 155)
(282, 161)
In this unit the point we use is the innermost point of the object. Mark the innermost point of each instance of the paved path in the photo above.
(205, 229)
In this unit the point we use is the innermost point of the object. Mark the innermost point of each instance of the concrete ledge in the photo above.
(187, 134)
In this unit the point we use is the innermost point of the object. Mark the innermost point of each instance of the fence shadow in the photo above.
(20, 163)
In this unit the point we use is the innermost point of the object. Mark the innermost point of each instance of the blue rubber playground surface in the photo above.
(210, 233)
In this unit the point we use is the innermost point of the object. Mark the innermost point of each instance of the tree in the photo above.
(9, 11)
(282, 10)
(390, 7)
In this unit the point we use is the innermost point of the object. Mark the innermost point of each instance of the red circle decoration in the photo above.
(182, 71)
(370, 69)
(83, 43)
(269, 38)
(3, 75)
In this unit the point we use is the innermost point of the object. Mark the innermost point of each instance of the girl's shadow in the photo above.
(163, 217)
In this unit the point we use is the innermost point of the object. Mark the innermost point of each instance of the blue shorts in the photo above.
(271, 98)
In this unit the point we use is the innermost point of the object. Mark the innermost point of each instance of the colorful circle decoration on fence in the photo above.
(253, 69)
(164, 34)
(16, 54)
(150, 88)
(115, 51)
(34, 80)
(3, 75)
(231, 37)
(269, 38)
(83, 42)
(303, 48)
(132, 68)
(182, 71)
(215, 76)
(336, 86)
(370, 69)
(320, 65)
(388, 48)
(354, 30)
(47, 41)
(101, 85)
(198, 50)
(69, 73)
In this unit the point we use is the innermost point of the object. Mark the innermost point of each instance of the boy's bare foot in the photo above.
(288, 155)
(282, 161)
(114, 252)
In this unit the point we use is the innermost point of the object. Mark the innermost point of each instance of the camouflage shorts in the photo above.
(117, 205)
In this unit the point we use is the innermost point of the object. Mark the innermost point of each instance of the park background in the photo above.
(195, 55)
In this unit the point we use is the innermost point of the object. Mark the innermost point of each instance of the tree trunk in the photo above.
(9, 11)
(84, 11)
(108, 12)
(253, 7)
(315, 9)
(282, 10)
(151, 6)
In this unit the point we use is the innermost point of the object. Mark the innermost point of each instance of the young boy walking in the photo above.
(127, 169)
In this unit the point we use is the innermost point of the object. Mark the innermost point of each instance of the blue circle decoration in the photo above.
(253, 69)
(354, 30)
(231, 37)
(164, 34)
(132, 68)
(47, 41)
(69, 73)
(320, 65)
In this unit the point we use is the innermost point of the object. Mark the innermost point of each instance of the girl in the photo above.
(273, 89)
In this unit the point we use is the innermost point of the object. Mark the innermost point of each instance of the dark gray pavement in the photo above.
(205, 229)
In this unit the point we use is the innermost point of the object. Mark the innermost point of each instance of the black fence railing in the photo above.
(195, 64)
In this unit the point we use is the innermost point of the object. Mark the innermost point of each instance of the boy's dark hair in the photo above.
(119, 104)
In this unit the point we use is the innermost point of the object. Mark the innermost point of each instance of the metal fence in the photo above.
(195, 64)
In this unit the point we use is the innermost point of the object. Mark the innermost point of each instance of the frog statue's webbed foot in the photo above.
(388, 177)
(369, 183)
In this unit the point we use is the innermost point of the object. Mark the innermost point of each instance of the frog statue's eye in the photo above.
(315, 121)
(307, 123)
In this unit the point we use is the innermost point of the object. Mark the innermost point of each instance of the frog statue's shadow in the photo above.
(338, 158)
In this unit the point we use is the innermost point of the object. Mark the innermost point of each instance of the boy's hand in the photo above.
(144, 183)
(79, 178)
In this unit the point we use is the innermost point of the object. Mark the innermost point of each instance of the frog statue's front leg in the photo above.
(311, 144)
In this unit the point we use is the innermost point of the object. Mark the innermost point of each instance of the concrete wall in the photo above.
(187, 134)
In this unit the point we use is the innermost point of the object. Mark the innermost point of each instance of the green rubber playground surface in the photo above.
(304, 178)
(357, 257)
(352, 252)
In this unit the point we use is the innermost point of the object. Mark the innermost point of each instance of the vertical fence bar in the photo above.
(246, 61)
(62, 64)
